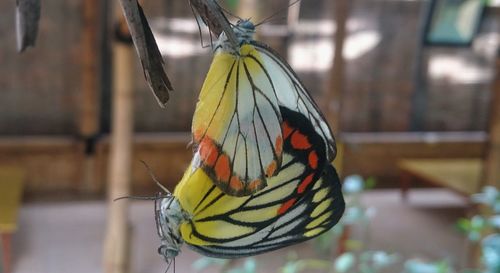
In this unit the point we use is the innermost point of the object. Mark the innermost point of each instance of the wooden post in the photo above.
(491, 175)
(333, 96)
(6, 251)
(116, 247)
(89, 112)
(420, 96)
(491, 164)
(89, 106)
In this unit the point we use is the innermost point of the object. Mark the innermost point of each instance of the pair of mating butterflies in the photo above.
(261, 176)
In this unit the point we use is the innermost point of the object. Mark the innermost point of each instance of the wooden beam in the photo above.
(52, 163)
(377, 154)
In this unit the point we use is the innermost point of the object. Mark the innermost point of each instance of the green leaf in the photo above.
(464, 225)
(370, 183)
(443, 267)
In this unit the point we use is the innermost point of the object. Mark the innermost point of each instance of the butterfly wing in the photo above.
(293, 95)
(302, 201)
(318, 211)
(236, 124)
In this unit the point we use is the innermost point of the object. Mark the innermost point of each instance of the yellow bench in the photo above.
(11, 186)
(461, 175)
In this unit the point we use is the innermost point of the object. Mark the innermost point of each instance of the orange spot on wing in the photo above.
(300, 141)
(198, 134)
(235, 183)
(254, 185)
(222, 170)
(279, 145)
(286, 206)
(303, 185)
(313, 159)
(208, 152)
(271, 169)
(287, 130)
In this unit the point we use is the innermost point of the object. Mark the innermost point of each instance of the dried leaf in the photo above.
(27, 18)
(147, 49)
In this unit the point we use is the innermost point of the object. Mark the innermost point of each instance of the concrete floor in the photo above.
(67, 237)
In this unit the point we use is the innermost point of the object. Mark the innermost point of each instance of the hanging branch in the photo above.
(147, 49)
(213, 16)
(27, 18)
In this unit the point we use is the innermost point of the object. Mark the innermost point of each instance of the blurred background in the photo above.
(410, 88)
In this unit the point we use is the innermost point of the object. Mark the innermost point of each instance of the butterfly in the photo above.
(237, 124)
(301, 201)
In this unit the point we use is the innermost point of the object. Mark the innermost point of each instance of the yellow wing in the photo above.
(236, 124)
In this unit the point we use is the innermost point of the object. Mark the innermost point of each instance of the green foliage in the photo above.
(418, 266)
(249, 266)
(203, 263)
(303, 265)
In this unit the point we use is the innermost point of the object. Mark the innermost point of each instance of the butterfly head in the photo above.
(244, 31)
(169, 215)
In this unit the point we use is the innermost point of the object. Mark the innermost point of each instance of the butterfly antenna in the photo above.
(154, 177)
(168, 265)
(276, 13)
(170, 203)
(138, 198)
(281, 18)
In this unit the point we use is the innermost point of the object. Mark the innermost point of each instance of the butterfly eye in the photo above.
(246, 24)
(162, 250)
(168, 252)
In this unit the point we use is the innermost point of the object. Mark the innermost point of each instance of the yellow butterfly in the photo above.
(301, 201)
(237, 121)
